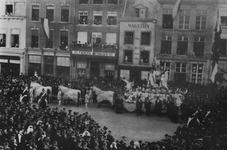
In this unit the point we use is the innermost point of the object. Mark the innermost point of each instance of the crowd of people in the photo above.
(28, 127)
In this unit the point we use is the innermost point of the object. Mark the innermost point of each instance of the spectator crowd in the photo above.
(28, 127)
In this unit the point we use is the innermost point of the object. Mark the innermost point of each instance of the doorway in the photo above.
(94, 69)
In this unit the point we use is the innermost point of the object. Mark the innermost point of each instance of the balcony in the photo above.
(94, 49)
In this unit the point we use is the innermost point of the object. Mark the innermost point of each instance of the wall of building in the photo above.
(189, 58)
(13, 23)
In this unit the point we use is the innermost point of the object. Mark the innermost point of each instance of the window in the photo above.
(201, 18)
(96, 37)
(65, 13)
(109, 74)
(144, 57)
(64, 40)
(140, 12)
(222, 47)
(184, 18)
(98, 1)
(83, 16)
(129, 37)
(167, 21)
(164, 66)
(199, 45)
(49, 42)
(112, 2)
(35, 12)
(128, 56)
(83, 1)
(223, 20)
(63, 61)
(182, 45)
(82, 37)
(50, 12)
(2, 40)
(111, 18)
(35, 38)
(181, 67)
(97, 17)
(145, 38)
(15, 40)
(9, 9)
(111, 38)
(124, 74)
(197, 71)
(166, 44)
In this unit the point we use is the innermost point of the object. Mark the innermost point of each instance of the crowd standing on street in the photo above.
(24, 126)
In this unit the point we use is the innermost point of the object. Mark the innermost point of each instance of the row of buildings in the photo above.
(112, 38)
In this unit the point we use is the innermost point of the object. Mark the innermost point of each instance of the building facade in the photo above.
(222, 66)
(95, 50)
(184, 44)
(137, 39)
(12, 37)
(50, 55)
(83, 37)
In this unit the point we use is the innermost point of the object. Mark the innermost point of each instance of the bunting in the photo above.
(46, 27)
(176, 9)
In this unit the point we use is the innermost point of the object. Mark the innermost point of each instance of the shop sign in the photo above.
(138, 25)
(81, 65)
(4, 60)
(135, 47)
(82, 52)
(109, 67)
(104, 54)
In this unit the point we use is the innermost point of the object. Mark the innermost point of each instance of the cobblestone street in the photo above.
(127, 124)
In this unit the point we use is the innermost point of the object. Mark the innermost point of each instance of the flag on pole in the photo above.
(46, 27)
(215, 48)
(176, 8)
(214, 72)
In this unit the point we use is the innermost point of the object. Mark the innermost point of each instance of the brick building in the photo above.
(83, 37)
(184, 45)
(137, 39)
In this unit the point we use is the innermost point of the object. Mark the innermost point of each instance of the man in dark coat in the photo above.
(139, 105)
(158, 106)
(147, 106)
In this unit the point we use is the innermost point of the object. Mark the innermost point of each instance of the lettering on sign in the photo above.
(82, 52)
(138, 25)
(135, 47)
(104, 54)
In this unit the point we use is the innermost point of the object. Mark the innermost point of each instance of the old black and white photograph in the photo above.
(113, 74)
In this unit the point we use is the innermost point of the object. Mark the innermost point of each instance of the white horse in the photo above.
(69, 94)
(103, 95)
(36, 89)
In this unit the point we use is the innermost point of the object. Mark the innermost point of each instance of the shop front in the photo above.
(94, 64)
(34, 65)
(134, 73)
(9, 65)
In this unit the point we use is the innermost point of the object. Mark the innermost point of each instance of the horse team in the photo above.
(43, 94)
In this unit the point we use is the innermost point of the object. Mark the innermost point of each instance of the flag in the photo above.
(214, 72)
(46, 27)
(215, 48)
(176, 8)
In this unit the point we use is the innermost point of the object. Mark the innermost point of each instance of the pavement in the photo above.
(127, 124)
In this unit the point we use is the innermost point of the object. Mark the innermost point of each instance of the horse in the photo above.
(103, 95)
(36, 89)
(69, 94)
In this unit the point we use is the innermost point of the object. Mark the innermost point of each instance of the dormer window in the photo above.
(140, 10)
(9, 9)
